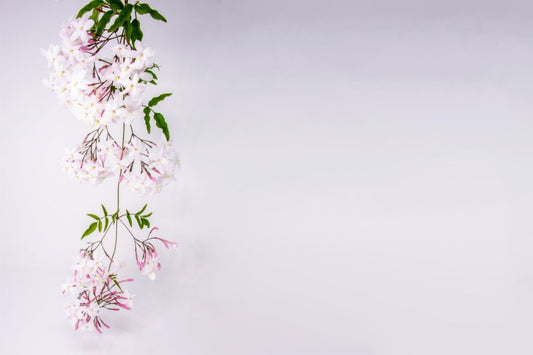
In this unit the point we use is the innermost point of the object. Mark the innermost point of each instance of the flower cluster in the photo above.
(147, 257)
(88, 165)
(142, 165)
(96, 289)
(98, 90)
(148, 167)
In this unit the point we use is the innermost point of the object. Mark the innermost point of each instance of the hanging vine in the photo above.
(100, 71)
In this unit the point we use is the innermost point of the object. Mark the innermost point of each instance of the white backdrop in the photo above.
(356, 179)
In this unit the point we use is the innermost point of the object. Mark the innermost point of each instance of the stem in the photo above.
(118, 200)
(135, 240)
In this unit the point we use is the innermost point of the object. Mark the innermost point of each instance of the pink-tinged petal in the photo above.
(123, 306)
(101, 320)
(167, 243)
(97, 325)
(136, 255)
(143, 261)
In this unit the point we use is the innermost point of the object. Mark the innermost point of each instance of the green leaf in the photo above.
(155, 100)
(147, 118)
(123, 16)
(151, 72)
(138, 219)
(147, 215)
(157, 16)
(136, 33)
(93, 216)
(114, 278)
(94, 16)
(106, 223)
(145, 222)
(88, 7)
(104, 21)
(127, 31)
(142, 210)
(89, 230)
(103, 208)
(99, 226)
(116, 283)
(129, 218)
(115, 4)
(161, 123)
(143, 8)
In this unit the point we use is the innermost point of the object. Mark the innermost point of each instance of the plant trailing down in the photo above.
(100, 71)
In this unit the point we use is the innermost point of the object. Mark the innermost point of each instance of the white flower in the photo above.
(143, 58)
(150, 265)
(68, 288)
(133, 107)
(122, 51)
(53, 56)
(133, 87)
(114, 112)
(81, 27)
(93, 310)
(135, 149)
(77, 84)
(128, 298)
(140, 183)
